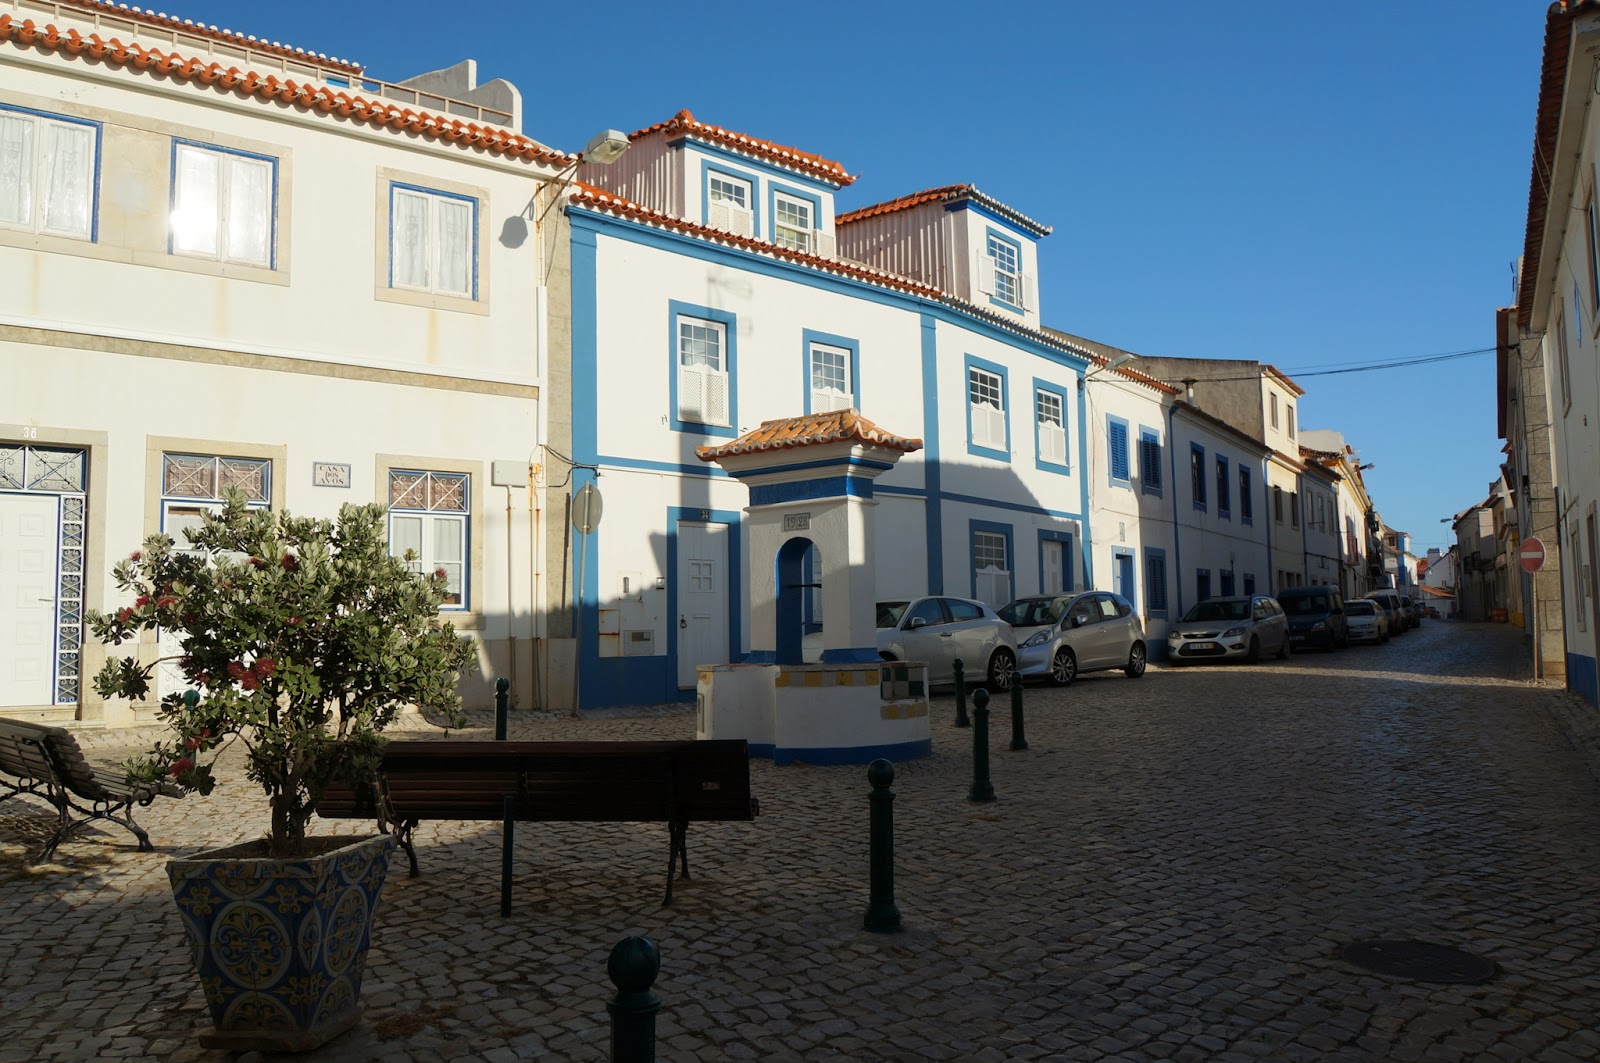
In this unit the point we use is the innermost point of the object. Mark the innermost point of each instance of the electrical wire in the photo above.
(1367, 368)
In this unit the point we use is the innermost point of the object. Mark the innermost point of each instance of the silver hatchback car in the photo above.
(1245, 626)
(1062, 635)
(939, 631)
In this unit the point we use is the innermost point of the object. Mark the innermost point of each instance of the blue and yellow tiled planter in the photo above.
(281, 945)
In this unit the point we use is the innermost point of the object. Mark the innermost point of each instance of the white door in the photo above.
(29, 555)
(1052, 580)
(702, 598)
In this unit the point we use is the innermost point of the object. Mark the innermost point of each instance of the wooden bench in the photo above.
(676, 783)
(46, 762)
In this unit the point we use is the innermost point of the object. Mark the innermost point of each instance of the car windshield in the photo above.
(1361, 608)
(1218, 611)
(1303, 604)
(1034, 612)
(889, 613)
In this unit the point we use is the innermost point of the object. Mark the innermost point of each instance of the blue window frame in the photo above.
(1068, 562)
(796, 217)
(1249, 583)
(703, 369)
(1197, 475)
(1202, 584)
(1117, 452)
(1227, 582)
(1149, 461)
(51, 184)
(729, 199)
(1003, 263)
(1155, 582)
(1122, 575)
(1247, 503)
(224, 204)
(433, 241)
(992, 574)
(1050, 437)
(988, 412)
(832, 371)
(1224, 504)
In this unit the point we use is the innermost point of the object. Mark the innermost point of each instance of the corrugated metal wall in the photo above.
(919, 243)
(648, 173)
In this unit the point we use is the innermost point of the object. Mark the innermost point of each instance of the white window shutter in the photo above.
(717, 215)
(822, 243)
(1052, 444)
(983, 272)
(741, 222)
(1029, 290)
(691, 393)
(716, 398)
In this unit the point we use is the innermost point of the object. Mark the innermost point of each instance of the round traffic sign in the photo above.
(586, 508)
(1531, 556)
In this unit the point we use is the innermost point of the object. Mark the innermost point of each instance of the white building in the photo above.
(1361, 552)
(234, 263)
(1222, 545)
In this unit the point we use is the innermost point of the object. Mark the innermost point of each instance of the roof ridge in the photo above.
(808, 430)
(947, 193)
(268, 87)
(685, 121)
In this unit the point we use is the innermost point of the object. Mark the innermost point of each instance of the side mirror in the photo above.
(917, 622)
(1079, 619)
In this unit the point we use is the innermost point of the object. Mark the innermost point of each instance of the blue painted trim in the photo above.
(1083, 483)
(1113, 423)
(735, 581)
(1068, 562)
(1061, 393)
(974, 362)
(890, 489)
(764, 750)
(1221, 470)
(810, 336)
(466, 546)
(705, 470)
(854, 655)
(1582, 678)
(991, 233)
(585, 350)
(931, 454)
(775, 188)
(395, 185)
(1012, 227)
(1015, 507)
(1247, 501)
(1150, 435)
(805, 490)
(752, 180)
(1248, 583)
(1202, 584)
(1197, 484)
(1130, 587)
(1155, 553)
(730, 347)
(272, 221)
(694, 247)
(1272, 571)
(770, 172)
(761, 657)
(837, 755)
(973, 527)
(827, 463)
(94, 189)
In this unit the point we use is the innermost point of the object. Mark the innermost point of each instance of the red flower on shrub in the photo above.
(141, 601)
(136, 555)
(192, 744)
(125, 614)
(291, 563)
(203, 679)
(236, 670)
(249, 682)
(441, 573)
(257, 562)
(265, 667)
(166, 602)
(295, 621)
(181, 765)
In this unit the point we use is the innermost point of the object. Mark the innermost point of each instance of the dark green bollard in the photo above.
(502, 705)
(883, 916)
(1018, 739)
(982, 789)
(961, 694)
(635, 962)
(191, 698)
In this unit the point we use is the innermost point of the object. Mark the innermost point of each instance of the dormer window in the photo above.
(728, 204)
(1007, 270)
(792, 223)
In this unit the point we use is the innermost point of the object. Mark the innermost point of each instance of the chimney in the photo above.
(1188, 389)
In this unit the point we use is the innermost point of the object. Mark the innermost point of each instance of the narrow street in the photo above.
(1170, 873)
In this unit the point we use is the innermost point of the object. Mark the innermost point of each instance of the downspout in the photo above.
(1172, 500)
(1085, 466)
(1305, 547)
(1266, 479)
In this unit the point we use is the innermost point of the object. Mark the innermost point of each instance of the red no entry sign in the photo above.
(1531, 556)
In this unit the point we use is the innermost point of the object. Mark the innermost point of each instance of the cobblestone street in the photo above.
(1169, 874)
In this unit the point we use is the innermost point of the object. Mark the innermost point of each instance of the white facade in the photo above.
(1321, 528)
(1222, 543)
(203, 288)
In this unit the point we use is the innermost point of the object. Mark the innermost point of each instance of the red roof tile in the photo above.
(309, 97)
(201, 29)
(687, 124)
(945, 194)
(835, 426)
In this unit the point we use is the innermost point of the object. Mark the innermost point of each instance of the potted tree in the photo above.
(301, 639)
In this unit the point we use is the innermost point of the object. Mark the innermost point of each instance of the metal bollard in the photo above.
(1018, 739)
(981, 790)
(883, 916)
(502, 704)
(961, 694)
(635, 962)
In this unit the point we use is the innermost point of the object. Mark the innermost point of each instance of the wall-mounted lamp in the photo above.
(1368, 465)
(1122, 358)
(606, 147)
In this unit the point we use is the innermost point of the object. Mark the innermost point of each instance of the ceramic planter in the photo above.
(281, 945)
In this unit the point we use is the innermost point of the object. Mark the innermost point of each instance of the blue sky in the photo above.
(1314, 186)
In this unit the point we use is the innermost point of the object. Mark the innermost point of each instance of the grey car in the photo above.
(1219, 628)
(1060, 636)
(939, 630)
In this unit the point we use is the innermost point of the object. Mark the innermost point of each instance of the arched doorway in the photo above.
(799, 572)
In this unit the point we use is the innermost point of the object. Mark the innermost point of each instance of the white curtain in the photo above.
(410, 251)
(194, 215)
(16, 171)
(250, 211)
(70, 187)
(455, 246)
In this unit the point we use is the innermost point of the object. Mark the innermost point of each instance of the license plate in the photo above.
(1297, 638)
(1203, 646)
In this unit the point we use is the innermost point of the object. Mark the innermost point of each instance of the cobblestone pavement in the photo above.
(1169, 874)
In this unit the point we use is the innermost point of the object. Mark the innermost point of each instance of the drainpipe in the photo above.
(1266, 480)
(1172, 500)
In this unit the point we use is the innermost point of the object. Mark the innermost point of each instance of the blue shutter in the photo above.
(1155, 582)
(1150, 463)
(1119, 451)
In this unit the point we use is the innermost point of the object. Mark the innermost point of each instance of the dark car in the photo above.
(1316, 616)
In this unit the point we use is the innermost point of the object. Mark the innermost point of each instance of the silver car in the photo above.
(938, 631)
(1060, 636)
(1244, 626)
(1367, 620)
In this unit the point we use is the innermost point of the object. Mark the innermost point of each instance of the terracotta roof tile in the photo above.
(201, 29)
(686, 123)
(835, 426)
(309, 97)
(946, 194)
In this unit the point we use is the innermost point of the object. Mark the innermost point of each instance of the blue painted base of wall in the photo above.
(856, 655)
(764, 750)
(852, 755)
(1581, 677)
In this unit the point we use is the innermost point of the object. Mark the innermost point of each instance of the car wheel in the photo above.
(1136, 661)
(1002, 670)
(1063, 667)
(1285, 649)
(1255, 650)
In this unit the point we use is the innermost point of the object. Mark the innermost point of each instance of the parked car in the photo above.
(1366, 620)
(1060, 636)
(1395, 604)
(1392, 618)
(1417, 611)
(1316, 616)
(939, 630)
(1243, 626)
